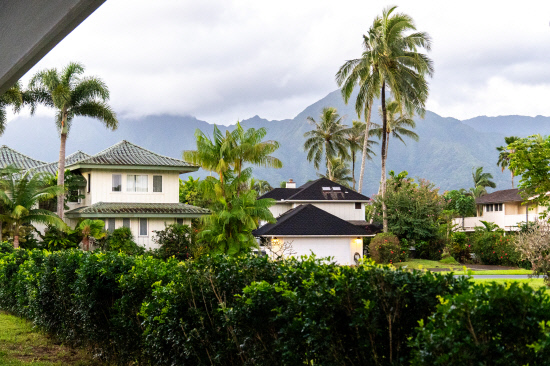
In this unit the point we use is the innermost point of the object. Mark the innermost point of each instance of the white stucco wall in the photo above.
(342, 249)
(279, 208)
(102, 180)
(343, 210)
(147, 241)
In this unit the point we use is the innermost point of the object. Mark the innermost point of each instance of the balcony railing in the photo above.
(506, 222)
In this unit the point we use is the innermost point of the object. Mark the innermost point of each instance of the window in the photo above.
(489, 208)
(498, 207)
(89, 182)
(117, 183)
(157, 183)
(142, 227)
(126, 223)
(179, 221)
(357, 205)
(110, 225)
(137, 183)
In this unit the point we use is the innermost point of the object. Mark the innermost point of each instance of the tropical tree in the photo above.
(261, 186)
(362, 72)
(20, 196)
(328, 138)
(355, 139)
(397, 125)
(481, 182)
(340, 172)
(504, 155)
(71, 95)
(91, 229)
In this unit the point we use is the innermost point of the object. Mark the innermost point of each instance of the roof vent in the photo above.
(290, 184)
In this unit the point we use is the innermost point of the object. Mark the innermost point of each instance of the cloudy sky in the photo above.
(221, 61)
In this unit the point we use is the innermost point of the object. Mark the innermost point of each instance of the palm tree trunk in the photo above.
(16, 241)
(384, 154)
(1, 232)
(353, 168)
(61, 167)
(329, 165)
(365, 146)
(86, 243)
(512, 179)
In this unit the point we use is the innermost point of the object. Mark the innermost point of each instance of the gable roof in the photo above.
(126, 155)
(505, 195)
(9, 156)
(316, 190)
(308, 220)
(52, 167)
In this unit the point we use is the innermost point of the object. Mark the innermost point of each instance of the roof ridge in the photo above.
(123, 142)
(28, 157)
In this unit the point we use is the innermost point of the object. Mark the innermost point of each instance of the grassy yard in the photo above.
(426, 264)
(533, 282)
(20, 345)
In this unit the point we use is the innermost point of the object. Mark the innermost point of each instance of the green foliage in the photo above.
(73, 183)
(386, 248)
(191, 193)
(492, 247)
(461, 203)
(481, 182)
(178, 241)
(413, 208)
(122, 240)
(339, 172)
(495, 324)
(94, 229)
(460, 247)
(55, 239)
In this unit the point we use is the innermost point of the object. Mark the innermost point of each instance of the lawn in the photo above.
(427, 264)
(20, 345)
(533, 282)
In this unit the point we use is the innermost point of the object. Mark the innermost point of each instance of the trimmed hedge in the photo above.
(232, 311)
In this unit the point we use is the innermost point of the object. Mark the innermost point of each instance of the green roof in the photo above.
(127, 155)
(123, 209)
(52, 167)
(9, 156)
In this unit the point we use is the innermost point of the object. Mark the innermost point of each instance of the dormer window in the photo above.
(137, 183)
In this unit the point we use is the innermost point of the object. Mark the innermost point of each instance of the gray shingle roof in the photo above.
(126, 153)
(9, 156)
(316, 191)
(52, 167)
(504, 195)
(121, 209)
(308, 220)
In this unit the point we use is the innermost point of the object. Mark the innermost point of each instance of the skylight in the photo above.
(336, 188)
(326, 188)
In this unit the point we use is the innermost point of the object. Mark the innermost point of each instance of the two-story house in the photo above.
(320, 217)
(505, 208)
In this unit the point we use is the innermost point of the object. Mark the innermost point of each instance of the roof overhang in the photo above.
(29, 29)
(76, 215)
(321, 201)
(179, 169)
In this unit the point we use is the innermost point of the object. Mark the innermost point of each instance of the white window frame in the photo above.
(146, 227)
(134, 183)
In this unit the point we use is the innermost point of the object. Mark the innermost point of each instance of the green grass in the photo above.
(520, 271)
(20, 345)
(533, 282)
(426, 264)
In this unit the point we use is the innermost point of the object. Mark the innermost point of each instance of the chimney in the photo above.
(290, 184)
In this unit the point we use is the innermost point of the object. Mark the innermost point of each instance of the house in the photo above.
(126, 186)
(505, 208)
(320, 216)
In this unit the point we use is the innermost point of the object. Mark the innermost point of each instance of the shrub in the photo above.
(494, 324)
(178, 241)
(432, 250)
(460, 247)
(533, 245)
(385, 248)
(56, 239)
(492, 247)
(122, 240)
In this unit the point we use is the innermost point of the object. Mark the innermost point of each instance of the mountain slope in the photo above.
(447, 151)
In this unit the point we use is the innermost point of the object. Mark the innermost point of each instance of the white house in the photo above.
(504, 208)
(320, 216)
(126, 185)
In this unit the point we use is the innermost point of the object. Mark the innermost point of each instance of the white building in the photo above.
(126, 186)
(504, 208)
(320, 217)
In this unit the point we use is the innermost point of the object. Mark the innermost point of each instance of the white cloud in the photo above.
(228, 60)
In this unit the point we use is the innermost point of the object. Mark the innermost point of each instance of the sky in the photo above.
(223, 61)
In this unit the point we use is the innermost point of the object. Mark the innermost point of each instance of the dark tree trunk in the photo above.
(384, 153)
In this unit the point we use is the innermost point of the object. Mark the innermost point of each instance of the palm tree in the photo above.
(71, 95)
(328, 138)
(397, 125)
(504, 155)
(91, 229)
(355, 138)
(261, 186)
(340, 172)
(362, 72)
(397, 65)
(20, 197)
(481, 182)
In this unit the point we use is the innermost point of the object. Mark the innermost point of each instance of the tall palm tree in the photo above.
(399, 66)
(355, 138)
(20, 196)
(362, 72)
(328, 138)
(504, 155)
(71, 95)
(481, 182)
(340, 172)
(397, 126)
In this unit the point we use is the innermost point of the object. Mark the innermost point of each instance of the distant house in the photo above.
(126, 186)
(320, 216)
(505, 208)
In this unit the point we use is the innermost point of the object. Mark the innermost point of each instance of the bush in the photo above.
(533, 245)
(460, 247)
(178, 241)
(56, 239)
(432, 250)
(496, 324)
(122, 240)
(492, 247)
(385, 248)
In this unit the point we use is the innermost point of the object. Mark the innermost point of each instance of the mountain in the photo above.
(447, 151)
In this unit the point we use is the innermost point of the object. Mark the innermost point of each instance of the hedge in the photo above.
(233, 311)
